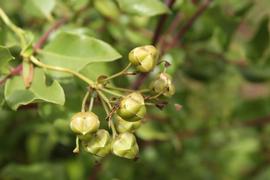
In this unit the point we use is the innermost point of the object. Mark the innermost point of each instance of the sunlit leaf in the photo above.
(143, 7)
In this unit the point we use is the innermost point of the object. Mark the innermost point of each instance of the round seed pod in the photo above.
(99, 144)
(144, 58)
(84, 123)
(125, 145)
(131, 106)
(138, 116)
(163, 84)
(126, 126)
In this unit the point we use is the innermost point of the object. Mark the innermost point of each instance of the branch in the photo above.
(189, 23)
(161, 22)
(47, 34)
(16, 71)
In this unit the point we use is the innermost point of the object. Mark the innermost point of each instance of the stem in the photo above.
(106, 103)
(119, 73)
(61, 69)
(111, 92)
(18, 31)
(77, 148)
(126, 90)
(92, 101)
(16, 71)
(161, 22)
(156, 96)
(46, 35)
(189, 23)
(84, 101)
(119, 89)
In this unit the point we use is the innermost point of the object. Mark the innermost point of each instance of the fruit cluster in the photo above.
(125, 114)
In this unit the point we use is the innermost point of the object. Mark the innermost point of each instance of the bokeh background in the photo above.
(221, 70)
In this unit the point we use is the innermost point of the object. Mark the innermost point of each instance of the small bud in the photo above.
(99, 144)
(131, 106)
(144, 57)
(126, 126)
(163, 84)
(125, 145)
(84, 123)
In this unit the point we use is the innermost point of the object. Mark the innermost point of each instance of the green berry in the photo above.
(99, 144)
(163, 84)
(138, 116)
(132, 106)
(84, 123)
(125, 145)
(144, 58)
(126, 126)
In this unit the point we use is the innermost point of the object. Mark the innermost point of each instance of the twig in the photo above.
(189, 23)
(161, 22)
(175, 23)
(47, 34)
(16, 71)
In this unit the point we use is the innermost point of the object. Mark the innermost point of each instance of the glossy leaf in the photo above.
(16, 94)
(143, 7)
(40, 7)
(76, 51)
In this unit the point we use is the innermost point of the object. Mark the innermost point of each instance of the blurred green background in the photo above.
(221, 70)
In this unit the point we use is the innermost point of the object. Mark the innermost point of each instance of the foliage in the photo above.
(216, 126)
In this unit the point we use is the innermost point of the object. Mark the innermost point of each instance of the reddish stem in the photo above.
(47, 34)
(15, 71)
(189, 23)
(161, 22)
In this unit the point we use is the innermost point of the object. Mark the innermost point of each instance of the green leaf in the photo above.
(143, 7)
(16, 94)
(5, 57)
(40, 7)
(76, 51)
(259, 42)
(99, 69)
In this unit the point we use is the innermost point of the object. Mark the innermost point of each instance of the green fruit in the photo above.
(130, 105)
(163, 84)
(138, 116)
(99, 144)
(84, 123)
(144, 58)
(125, 145)
(126, 126)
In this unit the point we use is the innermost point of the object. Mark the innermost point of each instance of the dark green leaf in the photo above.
(259, 42)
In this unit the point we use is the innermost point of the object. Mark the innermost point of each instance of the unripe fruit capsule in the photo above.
(163, 84)
(125, 145)
(144, 58)
(99, 144)
(126, 126)
(84, 123)
(132, 106)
